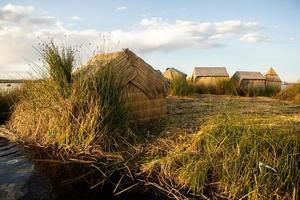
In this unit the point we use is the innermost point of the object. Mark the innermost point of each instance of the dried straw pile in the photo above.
(144, 88)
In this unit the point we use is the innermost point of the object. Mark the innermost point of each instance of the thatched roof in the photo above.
(210, 72)
(132, 69)
(271, 71)
(243, 75)
(271, 75)
(172, 73)
(175, 70)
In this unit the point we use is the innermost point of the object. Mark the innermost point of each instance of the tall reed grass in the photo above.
(221, 87)
(60, 65)
(291, 93)
(230, 87)
(181, 87)
(74, 113)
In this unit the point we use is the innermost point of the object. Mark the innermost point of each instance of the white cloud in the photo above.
(122, 8)
(19, 32)
(236, 26)
(43, 21)
(254, 38)
(75, 18)
(155, 33)
(15, 13)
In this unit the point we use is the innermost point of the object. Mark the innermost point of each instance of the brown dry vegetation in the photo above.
(211, 147)
(290, 93)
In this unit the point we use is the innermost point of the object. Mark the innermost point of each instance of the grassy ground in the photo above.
(187, 114)
(209, 146)
(221, 147)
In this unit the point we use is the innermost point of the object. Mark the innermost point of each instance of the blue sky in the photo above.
(250, 35)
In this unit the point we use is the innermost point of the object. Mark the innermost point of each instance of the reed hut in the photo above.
(249, 80)
(172, 73)
(272, 79)
(144, 87)
(209, 76)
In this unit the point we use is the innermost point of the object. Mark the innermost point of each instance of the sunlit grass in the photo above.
(71, 112)
(181, 87)
(222, 159)
(290, 93)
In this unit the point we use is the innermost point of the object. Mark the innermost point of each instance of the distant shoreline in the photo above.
(12, 80)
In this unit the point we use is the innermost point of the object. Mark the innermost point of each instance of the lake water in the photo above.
(9, 86)
(18, 177)
(23, 179)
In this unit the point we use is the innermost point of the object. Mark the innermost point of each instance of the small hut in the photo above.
(272, 79)
(249, 80)
(209, 76)
(172, 73)
(144, 87)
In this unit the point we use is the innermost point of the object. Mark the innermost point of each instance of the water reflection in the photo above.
(18, 177)
(22, 179)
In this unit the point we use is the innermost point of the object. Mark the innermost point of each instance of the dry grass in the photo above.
(181, 87)
(221, 87)
(290, 93)
(220, 157)
(71, 112)
(230, 87)
(209, 146)
(72, 117)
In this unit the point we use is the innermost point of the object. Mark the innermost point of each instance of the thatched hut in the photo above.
(249, 80)
(209, 76)
(272, 79)
(144, 87)
(172, 73)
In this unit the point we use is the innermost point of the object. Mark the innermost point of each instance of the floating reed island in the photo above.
(73, 116)
(197, 146)
(88, 115)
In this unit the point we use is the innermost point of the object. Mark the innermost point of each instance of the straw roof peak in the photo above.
(271, 71)
(272, 76)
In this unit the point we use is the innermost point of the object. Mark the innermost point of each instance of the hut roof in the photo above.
(271, 75)
(210, 72)
(244, 75)
(132, 69)
(175, 70)
(271, 71)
